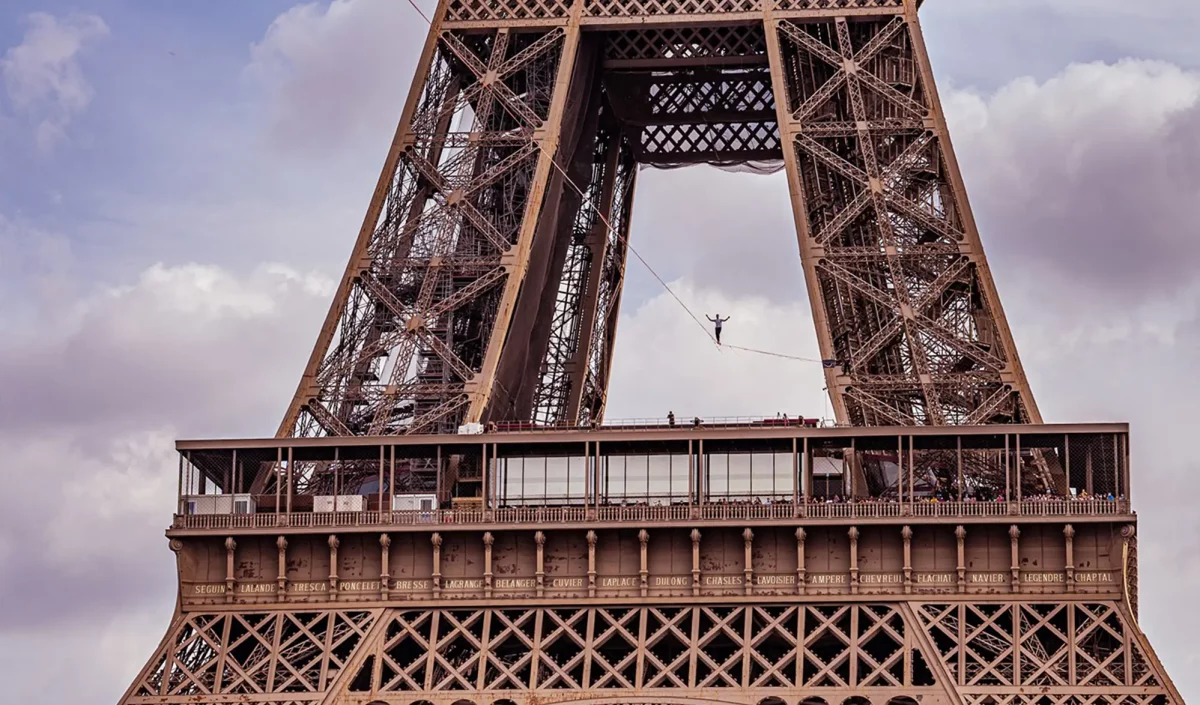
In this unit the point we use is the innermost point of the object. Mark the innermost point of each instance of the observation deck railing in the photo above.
(650, 514)
(663, 423)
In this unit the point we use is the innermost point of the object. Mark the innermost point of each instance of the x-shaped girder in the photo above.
(826, 624)
(200, 641)
(879, 669)
(409, 676)
(840, 63)
(569, 629)
(775, 626)
(491, 78)
(450, 628)
(721, 626)
(502, 628)
(667, 675)
(262, 649)
(945, 619)
(1098, 617)
(303, 644)
(987, 637)
(1033, 622)
(616, 627)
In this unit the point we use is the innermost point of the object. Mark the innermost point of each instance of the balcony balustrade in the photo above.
(651, 514)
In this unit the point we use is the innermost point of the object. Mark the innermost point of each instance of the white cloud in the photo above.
(339, 72)
(979, 42)
(42, 75)
(1103, 160)
(163, 347)
(283, 158)
(34, 262)
(725, 232)
(96, 392)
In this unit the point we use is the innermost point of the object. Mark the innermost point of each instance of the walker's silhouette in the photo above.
(717, 325)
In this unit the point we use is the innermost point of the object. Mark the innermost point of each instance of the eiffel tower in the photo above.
(447, 518)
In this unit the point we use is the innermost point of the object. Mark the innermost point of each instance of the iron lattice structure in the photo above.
(1035, 653)
(485, 286)
(486, 280)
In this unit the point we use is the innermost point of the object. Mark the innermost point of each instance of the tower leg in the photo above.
(906, 312)
(525, 362)
(437, 281)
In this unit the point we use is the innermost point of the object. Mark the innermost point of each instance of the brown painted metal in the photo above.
(487, 276)
(595, 600)
(658, 615)
(661, 432)
(484, 288)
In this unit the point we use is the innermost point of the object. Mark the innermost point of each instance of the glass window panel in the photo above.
(679, 476)
(555, 477)
(576, 476)
(513, 477)
(659, 484)
(614, 477)
(717, 475)
(740, 466)
(637, 475)
(785, 479)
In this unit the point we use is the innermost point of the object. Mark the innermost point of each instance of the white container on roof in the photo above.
(219, 504)
(338, 503)
(414, 502)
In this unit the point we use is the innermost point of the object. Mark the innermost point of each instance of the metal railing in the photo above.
(682, 421)
(1073, 507)
(655, 513)
(962, 509)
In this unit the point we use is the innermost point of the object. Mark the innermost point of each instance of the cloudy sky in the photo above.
(180, 183)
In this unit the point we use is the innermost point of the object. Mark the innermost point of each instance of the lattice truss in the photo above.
(692, 95)
(1072, 652)
(599, 329)
(662, 104)
(297, 656)
(476, 10)
(573, 378)
(1079, 699)
(639, 648)
(901, 285)
(704, 116)
(990, 653)
(694, 45)
(430, 323)
(234, 657)
(611, 8)
(424, 296)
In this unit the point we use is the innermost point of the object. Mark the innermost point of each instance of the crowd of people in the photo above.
(1081, 496)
